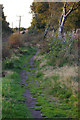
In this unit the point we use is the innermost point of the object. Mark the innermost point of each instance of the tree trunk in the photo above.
(63, 17)
(46, 30)
(61, 27)
(62, 20)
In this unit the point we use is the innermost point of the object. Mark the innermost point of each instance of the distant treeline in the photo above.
(5, 25)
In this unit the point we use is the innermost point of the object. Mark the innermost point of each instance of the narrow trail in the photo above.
(30, 100)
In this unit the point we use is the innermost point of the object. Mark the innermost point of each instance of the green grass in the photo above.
(53, 101)
(63, 104)
(13, 105)
(13, 100)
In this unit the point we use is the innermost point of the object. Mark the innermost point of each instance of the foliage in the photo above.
(15, 41)
(17, 29)
(39, 11)
(6, 52)
(72, 22)
(46, 13)
(6, 32)
(63, 51)
(5, 25)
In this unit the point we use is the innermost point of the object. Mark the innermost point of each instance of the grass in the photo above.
(55, 87)
(56, 97)
(13, 104)
(13, 100)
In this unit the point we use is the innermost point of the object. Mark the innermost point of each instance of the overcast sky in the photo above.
(15, 8)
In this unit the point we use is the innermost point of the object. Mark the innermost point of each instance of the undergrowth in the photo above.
(62, 52)
(53, 82)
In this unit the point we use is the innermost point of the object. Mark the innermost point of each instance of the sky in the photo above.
(15, 8)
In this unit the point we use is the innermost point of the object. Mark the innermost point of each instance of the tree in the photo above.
(5, 25)
(68, 8)
(54, 14)
(40, 13)
(57, 16)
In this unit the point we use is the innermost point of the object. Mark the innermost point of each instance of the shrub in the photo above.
(6, 52)
(15, 40)
(36, 40)
(62, 51)
(8, 63)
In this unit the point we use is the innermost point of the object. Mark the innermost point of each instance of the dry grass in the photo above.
(62, 71)
(38, 57)
(66, 74)
(43, 63)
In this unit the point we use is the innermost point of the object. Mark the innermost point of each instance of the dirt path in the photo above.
(30, 101)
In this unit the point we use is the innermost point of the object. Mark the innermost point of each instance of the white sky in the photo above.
(14, 8)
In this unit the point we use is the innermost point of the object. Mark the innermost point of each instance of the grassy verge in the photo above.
(13, 104)
(56, 89)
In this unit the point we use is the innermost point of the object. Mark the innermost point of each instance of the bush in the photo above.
(11, 63)
(62, 51)
(6, 52)
(15, 40)
(8, 63)
(36, 40)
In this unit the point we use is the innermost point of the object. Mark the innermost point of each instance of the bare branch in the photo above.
(65, 8)
(60, 19)
(70, 10)
(67, 5)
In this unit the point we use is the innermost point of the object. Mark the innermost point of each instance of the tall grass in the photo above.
(56, 89)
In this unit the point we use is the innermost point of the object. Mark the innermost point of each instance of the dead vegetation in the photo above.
(16, 40)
